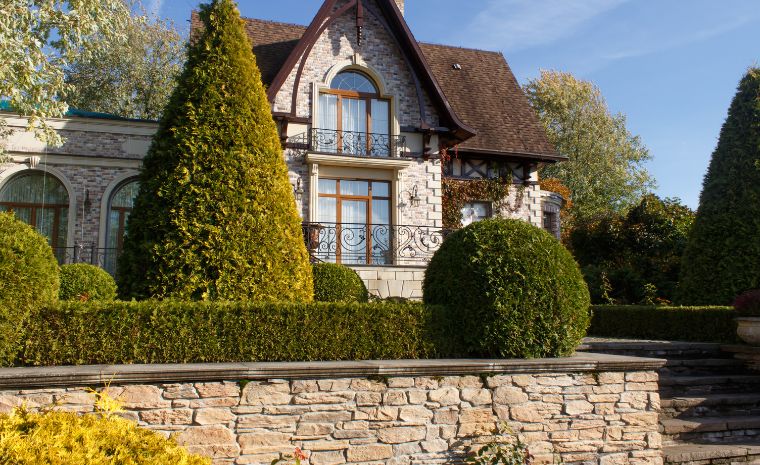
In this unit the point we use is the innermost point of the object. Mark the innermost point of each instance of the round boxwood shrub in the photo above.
(66, 438)
(28, 279)
(85, 282)
(338, 283)
(512, 291)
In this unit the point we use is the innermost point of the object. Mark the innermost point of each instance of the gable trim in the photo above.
(408, 45)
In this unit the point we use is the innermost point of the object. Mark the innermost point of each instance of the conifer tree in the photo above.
(215, 217)
(722, 258)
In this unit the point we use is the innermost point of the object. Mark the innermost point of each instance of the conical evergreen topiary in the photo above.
(722, 258)
(215, 217)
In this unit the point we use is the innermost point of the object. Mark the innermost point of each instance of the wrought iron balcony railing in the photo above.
(87, 253)
(362, 244)
(350, 143)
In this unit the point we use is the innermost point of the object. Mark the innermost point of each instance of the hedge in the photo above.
(80, 333)
(700, 324)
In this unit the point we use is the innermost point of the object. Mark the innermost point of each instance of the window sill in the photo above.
(362, 162)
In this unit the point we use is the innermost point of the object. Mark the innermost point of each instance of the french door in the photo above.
(354, 217)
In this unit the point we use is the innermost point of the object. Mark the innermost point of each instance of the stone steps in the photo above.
(687, 386)
(697, 367)
(711, 405)
(671, 350)
(710, 429)
(744, 452)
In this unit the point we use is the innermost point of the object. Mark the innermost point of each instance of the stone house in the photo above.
(377, 129)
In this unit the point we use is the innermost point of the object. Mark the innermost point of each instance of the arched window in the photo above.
(119, 207)
(353, 117)
(41, 200)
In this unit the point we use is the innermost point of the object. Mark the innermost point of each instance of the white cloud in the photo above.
(519, 24)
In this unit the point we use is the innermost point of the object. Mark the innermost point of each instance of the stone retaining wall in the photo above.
(585, 409)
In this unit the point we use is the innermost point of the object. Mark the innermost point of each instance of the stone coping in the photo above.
(92, 375)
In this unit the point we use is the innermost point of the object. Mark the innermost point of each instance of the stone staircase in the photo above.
(710, 404)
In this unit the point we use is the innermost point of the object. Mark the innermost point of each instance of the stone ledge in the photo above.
(88, 375)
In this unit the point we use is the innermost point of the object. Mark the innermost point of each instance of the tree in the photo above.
(215, 217)
(605, 169)
(133, 77)
(722, 258)
(636, 257)
(38, 40)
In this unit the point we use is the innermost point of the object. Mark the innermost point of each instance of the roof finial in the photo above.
(359, 21)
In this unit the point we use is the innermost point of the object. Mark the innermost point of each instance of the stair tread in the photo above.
(704, 362)
(668, 380)
(711, 399)
(708, 424)
(686, 452)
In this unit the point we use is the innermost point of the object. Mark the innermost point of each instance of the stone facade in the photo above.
(563, 413)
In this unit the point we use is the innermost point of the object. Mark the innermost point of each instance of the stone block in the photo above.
(224, 389)
(263, 442)
(415, 413)
(213, 416)
(314, 429)
(139, 397)
(369, 453)
(167, 416)
(333, 457)
(266, 394)
(444, 396)
(578, 407)
(211, 441)
(401, 434)
(394, 398)
(508, 395)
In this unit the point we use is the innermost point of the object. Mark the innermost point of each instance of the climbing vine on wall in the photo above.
(457, 192)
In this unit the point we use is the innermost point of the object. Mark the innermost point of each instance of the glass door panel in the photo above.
(381, 233)
(353, 232)
(380, 143)
(354, 125)
(326, 137)
(324, 241)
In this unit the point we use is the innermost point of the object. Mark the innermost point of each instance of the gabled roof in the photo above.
(484, 95)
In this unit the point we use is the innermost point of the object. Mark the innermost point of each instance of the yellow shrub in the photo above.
(63, 438)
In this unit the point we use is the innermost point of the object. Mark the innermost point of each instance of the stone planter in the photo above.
(748, 329)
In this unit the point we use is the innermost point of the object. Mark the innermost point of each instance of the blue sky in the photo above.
(671, 66)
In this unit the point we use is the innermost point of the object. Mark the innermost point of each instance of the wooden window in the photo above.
(119, 208)
(40, 200)
(354, 118)
(355, 215)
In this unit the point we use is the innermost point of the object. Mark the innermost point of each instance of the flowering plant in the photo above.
(298, 455)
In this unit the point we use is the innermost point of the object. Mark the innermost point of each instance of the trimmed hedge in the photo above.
(338, 283)
(80, 333)
(29, 278)
(699, 324)
(83, 282)
(513, 290)
(67, 438)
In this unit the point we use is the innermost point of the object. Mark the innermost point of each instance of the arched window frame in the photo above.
(20, 170)
(105, 205)
(324, 87)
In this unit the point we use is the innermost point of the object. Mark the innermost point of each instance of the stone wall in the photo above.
(594, 409)
(393, 281)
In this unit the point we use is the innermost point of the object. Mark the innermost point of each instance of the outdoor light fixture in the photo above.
(298, 190)
(414, 197)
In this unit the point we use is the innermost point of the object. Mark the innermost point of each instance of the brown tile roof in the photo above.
(484, 93)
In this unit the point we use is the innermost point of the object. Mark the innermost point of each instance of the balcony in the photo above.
(347, 143)
(86, 253)
(380, 245)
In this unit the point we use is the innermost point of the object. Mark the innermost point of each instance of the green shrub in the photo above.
(748, 303)
(215, 217)
(513, 290)
(338, 283)
(699, 324)
(722, 256)
(86, 282)
(66, 438)
(81, 333)
(29, 278)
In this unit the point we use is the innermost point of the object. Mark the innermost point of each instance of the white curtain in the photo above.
(354, 126)
(380, 128)
(327, 141)
(354, 234)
